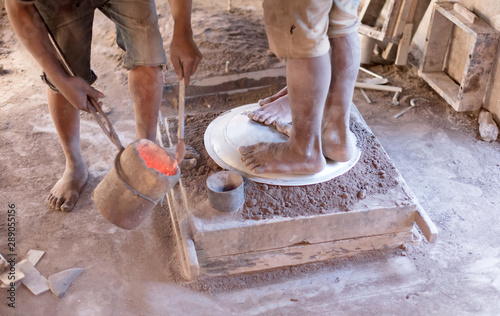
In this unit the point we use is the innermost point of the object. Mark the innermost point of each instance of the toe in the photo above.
(263, 117)
(245, 150)
(69, 204)
(259, 169)
(59, 202)
(256, 116)
(52, 201)
(269, 121)
(247, 160)
(253, 166)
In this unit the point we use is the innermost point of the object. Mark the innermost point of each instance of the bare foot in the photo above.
(280, 158)
(274, 97)
(283, 127)
(338, 147)
(66, 191)
(273, 108)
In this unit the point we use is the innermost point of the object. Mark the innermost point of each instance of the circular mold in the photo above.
(234, 128)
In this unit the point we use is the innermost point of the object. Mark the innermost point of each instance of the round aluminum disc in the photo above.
(233, 129)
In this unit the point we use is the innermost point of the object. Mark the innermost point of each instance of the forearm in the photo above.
(181, 14)
(32, 32)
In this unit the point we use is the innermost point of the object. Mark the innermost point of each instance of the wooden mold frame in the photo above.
(211, 243)
(392, 29)
(469, 93)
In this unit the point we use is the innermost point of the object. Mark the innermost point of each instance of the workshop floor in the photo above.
(454, 175)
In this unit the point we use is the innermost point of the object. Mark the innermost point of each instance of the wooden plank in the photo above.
(426, 225)
(179, 213)
(463, 11)
(185, 245)
(478, 27)
(401, 51)
(404, 46)
(371, 32)
(383, 34)
(371, 86)
(300, 254)
(231, 84)
(477, 73)
(370, 12)
(390, 21)
(457, 54)
(403, 17)
(436, 45)
(443, 85)
(264, 235)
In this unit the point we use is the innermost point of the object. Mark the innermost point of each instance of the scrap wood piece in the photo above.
(426, 225)
(33, 279)
(59, 282)
(371, 86)
(11, 276)
(33, 256)
(4, 265)
(6, 286)
(371, 73)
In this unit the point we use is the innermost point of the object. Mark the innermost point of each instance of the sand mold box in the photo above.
(373, 175)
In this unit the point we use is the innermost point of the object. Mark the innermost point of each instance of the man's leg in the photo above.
(146, 87)
(301, 153)
(338, 142)
(66, 118)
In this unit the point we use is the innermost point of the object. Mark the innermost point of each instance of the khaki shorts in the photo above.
(301, 28)
(137, 32)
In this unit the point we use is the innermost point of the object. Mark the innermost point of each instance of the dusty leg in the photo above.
(66, 191)
(273, 108)
(146, 87)
(339, 143)
(301, 153)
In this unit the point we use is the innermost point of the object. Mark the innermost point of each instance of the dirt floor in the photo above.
(454, 175)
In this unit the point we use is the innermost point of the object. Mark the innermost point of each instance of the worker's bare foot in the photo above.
(281, 158)
(283, 127)
(276, 107)
(66, 191)
(340, 147)
(274, 97)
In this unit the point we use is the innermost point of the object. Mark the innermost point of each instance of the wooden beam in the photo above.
(437, 41)
(300, 254)
(264, 235)
(426, 225)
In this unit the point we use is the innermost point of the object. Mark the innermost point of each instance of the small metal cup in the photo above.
(225, 191)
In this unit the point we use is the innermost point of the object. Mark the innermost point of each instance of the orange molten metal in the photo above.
(157, 158)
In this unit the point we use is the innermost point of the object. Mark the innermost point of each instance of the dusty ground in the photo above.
(453, 174)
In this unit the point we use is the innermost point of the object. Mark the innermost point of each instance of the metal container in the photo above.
(130, 191)
(225, 191)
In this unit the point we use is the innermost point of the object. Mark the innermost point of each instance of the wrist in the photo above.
(184, 31)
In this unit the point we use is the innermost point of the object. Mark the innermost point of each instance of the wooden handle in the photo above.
(181, 146)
